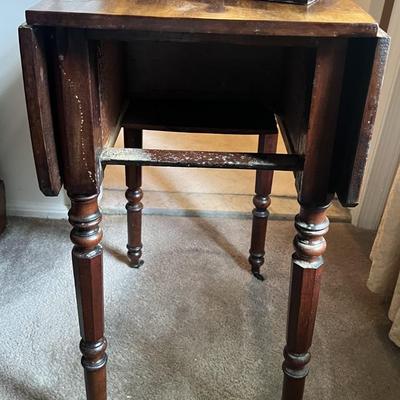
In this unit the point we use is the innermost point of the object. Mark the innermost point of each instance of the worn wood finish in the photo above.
(201, 159)
(363, 78)
(134, 194)
(331, 18)
(87, 258)
(103, 69)
(311, 223)
(34, 51)
(79, 112)
(266, 144)
(232, 117)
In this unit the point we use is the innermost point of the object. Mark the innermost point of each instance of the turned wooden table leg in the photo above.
(87, 259)
(311, 224)
(261, 201)
(134, 139)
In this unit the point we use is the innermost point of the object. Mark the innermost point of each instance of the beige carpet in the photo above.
(192, 324)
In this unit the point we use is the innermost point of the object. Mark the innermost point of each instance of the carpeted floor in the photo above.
(192, 323)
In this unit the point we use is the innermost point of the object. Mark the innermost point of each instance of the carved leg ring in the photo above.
(311, 225)
(134, 195)
(87, 259)
(261, 201)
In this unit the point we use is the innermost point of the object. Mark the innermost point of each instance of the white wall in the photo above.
(374, 7)
(16, 161)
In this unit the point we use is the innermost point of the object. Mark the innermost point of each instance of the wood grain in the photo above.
(112, 98)
(34, 57)
(311, 223)
(78, 111)
(363, 78)
(87, 260)
(321, 133)
(325, 18)
(307, 262)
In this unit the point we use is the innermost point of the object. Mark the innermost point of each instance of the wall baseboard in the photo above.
(37, 210)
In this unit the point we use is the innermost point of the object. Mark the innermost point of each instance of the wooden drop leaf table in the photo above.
(241, 66)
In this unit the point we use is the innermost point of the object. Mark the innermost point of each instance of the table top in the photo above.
(328, 18)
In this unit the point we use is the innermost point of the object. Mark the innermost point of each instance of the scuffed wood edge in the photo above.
(351, 197)
(36, 82)
(201, 159)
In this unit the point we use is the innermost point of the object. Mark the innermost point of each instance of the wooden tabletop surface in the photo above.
(324, 18)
